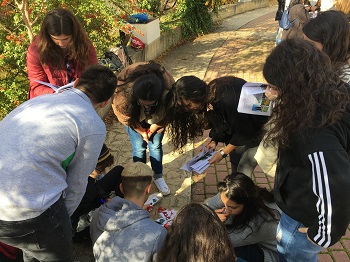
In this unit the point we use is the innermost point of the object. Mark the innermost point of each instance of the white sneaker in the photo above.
(162, 186)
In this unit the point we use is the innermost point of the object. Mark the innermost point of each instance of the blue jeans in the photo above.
(47, 237)
(292, 245)
(155, 146)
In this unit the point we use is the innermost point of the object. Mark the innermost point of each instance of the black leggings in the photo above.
(250, 253)
(96, 193)
(111, 181)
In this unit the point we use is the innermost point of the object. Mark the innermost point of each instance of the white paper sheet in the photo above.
(198, 163)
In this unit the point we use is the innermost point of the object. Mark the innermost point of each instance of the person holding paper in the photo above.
(187, 116)
(59, 53)
(240, 132)
(186, 110)
(310, 125)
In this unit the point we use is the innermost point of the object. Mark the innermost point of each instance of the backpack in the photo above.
(116, 58)
(285, 22)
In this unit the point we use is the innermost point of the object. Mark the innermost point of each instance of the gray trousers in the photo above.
(242, 160)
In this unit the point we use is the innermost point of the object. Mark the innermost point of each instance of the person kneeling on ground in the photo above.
(121, 230)
(250, 215)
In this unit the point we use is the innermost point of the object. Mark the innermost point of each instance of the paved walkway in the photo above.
(238, 46)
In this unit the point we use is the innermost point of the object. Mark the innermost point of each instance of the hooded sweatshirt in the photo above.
(122, 231)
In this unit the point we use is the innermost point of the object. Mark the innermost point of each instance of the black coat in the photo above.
(230, 126)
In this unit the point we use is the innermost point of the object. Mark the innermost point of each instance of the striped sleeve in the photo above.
(330, 184)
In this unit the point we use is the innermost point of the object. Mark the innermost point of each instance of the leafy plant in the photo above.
(20, 21)
(152, 6)
(194, 17)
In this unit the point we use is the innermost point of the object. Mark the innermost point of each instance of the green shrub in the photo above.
(194, 17)
(20, 21)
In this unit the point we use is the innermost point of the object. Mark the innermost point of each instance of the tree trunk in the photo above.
(23, 7)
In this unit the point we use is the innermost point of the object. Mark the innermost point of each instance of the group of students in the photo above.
(51, 144)
(241, 220)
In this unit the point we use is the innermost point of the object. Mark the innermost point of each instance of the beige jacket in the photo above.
(122, 97)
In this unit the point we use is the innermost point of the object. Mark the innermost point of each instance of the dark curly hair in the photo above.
(310, 93)
(182, 124)
(197, 235)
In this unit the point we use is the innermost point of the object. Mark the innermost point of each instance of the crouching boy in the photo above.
(121, 230)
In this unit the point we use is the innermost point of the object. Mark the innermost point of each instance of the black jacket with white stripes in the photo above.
(312, 183)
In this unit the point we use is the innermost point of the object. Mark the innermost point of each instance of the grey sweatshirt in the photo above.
(49, 146)
(122, 231)
(264, 235)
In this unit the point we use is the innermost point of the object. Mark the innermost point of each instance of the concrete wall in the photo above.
(241, 7)
(171, 38)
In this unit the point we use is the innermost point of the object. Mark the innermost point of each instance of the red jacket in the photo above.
(37, 71)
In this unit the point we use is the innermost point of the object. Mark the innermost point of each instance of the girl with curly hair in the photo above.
(193, 106)
(59, 53)
(311, 127)
(186, 108)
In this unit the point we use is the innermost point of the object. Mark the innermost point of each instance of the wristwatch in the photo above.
(222, 153)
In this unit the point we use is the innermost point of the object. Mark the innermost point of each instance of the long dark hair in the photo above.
(242, 190)
(57, 22)
(147, 84)
(332, 30)
(219, 86)
(182, 124)
(197, 235)
(310, 93)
